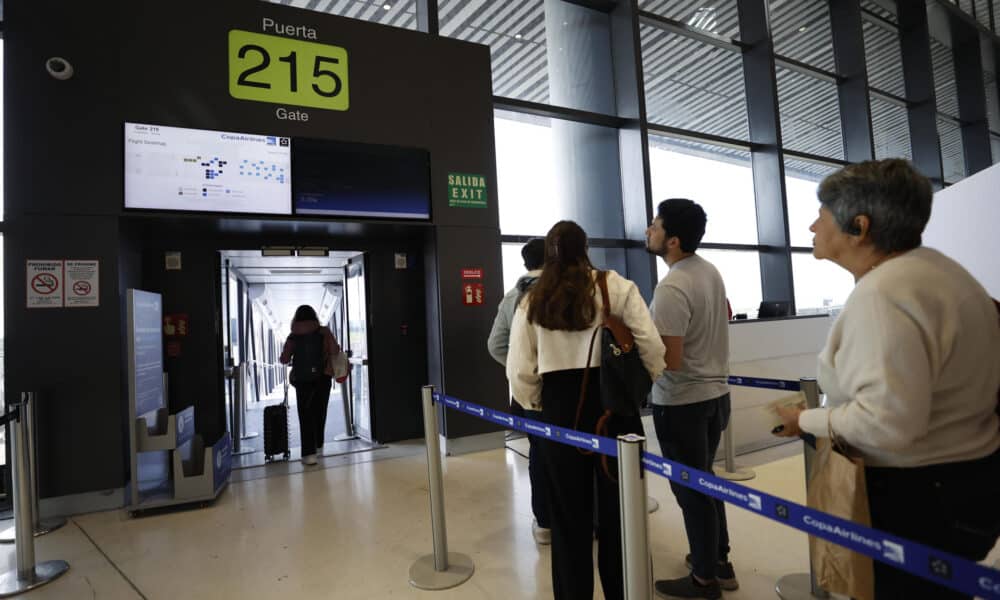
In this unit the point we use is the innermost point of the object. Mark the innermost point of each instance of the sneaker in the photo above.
(309, 459)
(687, 587)
(724, 574)
(543, 535)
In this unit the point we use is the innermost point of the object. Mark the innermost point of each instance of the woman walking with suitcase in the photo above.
(310, 348)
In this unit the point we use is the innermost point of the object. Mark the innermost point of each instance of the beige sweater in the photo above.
(535, 350)
(910, 368)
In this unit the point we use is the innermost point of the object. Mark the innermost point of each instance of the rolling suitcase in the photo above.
(276, 430)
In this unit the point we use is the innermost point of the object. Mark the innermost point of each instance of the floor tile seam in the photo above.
(110, 562)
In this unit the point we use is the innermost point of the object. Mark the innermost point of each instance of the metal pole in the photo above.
(733, 472)
(237, 409)
(239, 388)
(41, 526)
(803, 586)
(26, 575)
(636, 559)
(349, 433)
(246, 385)
(441, 570)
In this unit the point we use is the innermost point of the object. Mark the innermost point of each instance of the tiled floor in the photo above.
(352, 527)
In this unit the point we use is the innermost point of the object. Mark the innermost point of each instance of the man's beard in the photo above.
(655, 252)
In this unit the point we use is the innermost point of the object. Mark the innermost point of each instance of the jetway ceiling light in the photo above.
(277, 251)
(313, 251)
(295, 271)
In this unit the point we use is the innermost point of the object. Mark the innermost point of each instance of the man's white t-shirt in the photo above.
(691, 302)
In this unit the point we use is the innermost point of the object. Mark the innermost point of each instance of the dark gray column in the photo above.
(427, 16)
(586, 156)
(633, 143)
(767, 162)
(971, 96)
(852, 90)
(918, 76)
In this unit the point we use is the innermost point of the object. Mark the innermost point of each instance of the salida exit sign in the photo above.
(466, 190)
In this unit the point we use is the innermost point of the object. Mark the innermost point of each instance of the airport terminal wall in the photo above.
(166, 64)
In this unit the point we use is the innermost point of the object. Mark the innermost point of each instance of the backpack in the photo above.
(625, 382)
(307, 358)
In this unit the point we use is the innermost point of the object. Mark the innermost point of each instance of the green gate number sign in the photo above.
(281, 70)
(466, 191)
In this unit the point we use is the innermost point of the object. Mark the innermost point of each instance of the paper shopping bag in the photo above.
(837, 487)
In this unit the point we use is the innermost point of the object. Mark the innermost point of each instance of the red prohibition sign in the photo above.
(81, 288)
(44, 283)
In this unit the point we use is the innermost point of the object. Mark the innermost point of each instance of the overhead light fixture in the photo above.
(803, 28)
(313, 251)
(387, 6)
(295, 271)
(518, 36)
(277, 251)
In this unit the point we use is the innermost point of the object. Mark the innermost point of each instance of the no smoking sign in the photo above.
(59, 283)
(45, 284)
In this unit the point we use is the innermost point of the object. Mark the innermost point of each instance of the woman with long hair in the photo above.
(310, 348)
(550, 348)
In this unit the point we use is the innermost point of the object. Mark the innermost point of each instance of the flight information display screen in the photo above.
(174, 168)
(342, 179)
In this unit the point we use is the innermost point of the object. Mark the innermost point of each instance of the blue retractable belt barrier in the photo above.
(760, 382)
(940, 567)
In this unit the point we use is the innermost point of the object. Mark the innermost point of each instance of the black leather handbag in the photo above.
(625, 382)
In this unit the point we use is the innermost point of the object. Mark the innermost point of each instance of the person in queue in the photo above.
(533, 254)
(909, 370)
(549, 347)
(691, 403)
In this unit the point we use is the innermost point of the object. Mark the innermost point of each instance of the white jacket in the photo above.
(535, 350)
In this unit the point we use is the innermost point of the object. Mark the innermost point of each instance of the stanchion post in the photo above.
(237, 409)
(41, 526)
(349, 433)
(732, 472)
(636, 560)
(26, 575)
(442, 569)
(246, 384)
(802, 586)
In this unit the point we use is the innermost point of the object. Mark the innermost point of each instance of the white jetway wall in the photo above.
(964, 225)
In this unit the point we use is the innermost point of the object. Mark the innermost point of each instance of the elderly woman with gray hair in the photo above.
(909, 370)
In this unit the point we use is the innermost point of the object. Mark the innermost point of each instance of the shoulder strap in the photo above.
(602, 282)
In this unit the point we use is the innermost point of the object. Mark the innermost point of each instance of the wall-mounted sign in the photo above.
(472, 273)
(400, 260)
(466, 191)
(175, 325)
(172, 261)
(83, 283)
(45, 283)
(473, 294)
(284, 70)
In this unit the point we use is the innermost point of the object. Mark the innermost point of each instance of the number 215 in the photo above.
(293, 79)
(282, 70)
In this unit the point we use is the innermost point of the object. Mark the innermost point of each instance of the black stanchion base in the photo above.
(12, 585)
